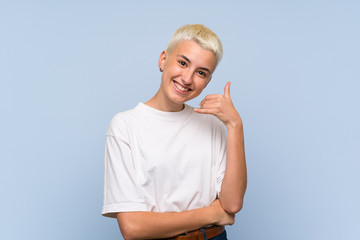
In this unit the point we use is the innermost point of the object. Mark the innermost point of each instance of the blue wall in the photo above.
(67, 67)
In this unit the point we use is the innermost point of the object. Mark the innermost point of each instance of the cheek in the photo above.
(201, 84)
(199, 90)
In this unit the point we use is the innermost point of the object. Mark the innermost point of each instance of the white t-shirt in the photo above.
(162, 161)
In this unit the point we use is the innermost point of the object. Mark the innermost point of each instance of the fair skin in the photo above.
(187, 70)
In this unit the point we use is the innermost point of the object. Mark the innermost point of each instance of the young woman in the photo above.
(173, 171)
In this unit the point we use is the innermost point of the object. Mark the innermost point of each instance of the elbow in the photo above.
(128, 228)
(232, 204)
(233, 208)
(127, 235)
(127, 232)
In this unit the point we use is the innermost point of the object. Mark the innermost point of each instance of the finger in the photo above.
(202, 102)
(214, 100)
(211, 96)
(212, 104)
(215, 106)
(203, 110)
(227, 89)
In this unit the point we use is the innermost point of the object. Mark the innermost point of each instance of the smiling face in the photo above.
(187, 69)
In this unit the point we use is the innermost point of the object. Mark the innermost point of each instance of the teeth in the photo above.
(181, 88)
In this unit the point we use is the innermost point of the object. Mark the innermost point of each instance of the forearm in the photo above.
(235, 179)
(154, 225)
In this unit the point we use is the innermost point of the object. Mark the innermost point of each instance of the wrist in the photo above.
(213, 216)
(217, 213)
(235, 124)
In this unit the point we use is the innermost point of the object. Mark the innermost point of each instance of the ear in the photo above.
(208, 81)
(162, 59)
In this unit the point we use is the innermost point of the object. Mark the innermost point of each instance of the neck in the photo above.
(158, 102)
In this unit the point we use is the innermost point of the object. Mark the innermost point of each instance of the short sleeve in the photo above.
(219, 152)
(121, 190)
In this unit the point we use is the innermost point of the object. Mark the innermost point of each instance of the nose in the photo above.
(186, 77)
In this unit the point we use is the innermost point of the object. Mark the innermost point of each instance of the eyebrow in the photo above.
(202, 68)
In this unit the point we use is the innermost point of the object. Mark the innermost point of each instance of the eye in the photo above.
(182, 63)
(202, 73)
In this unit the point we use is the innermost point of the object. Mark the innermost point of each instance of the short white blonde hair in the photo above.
(206, 38)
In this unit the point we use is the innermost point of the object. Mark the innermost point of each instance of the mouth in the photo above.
(180, 88)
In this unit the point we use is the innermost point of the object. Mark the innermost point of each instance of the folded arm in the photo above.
(155, 225)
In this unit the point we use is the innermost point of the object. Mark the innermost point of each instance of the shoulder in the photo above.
(120, 123)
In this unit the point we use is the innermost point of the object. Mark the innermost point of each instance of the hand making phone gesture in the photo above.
(222, 107)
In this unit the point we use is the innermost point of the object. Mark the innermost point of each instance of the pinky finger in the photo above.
(202, 110)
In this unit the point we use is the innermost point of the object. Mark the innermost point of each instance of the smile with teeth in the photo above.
(181, 88)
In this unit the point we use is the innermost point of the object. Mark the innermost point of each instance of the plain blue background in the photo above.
(66, 67)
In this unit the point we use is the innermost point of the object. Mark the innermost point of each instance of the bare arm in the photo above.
(235, 179)
(154, 225)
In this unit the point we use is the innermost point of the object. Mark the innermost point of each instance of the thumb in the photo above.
(227, 89)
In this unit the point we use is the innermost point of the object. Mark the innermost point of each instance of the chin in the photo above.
(178, 100)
